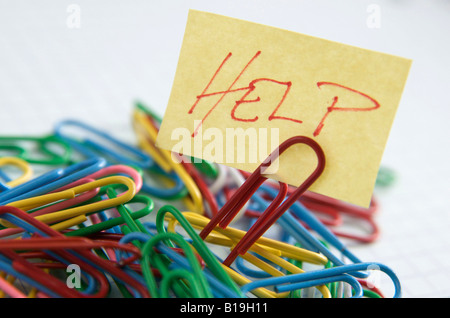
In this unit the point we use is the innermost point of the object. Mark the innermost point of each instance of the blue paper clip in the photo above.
(91, 148)
(30, 185)
(177, 189)
(52, 180)
(324, 276)
(218, 288)
(6, 266)
(30, 229)
(3, 186)
(292, 226)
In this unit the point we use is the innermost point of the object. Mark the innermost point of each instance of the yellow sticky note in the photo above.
(242, 88)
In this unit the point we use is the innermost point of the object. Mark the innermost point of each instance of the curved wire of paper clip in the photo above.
(45, 235)
(90, 194)
(83, 197)
(158, 257)
(115, 170)
(52, 180)
(67, 200)
(34, 270)
(92, 149)
(136, 230)
(207, 168)
(320, 203)
(126, 217)
(229, 236)
(270, 257)
(282, 263)
(295, 228)
(334, 209)
(211, 261)
(324, 276)
(10, 289)
(82, 247)
(32, 203)
(146, 133)
(218, 288)
(31, 271)
(12, 268)
(140, 239)
(130, 224)
(209, 198)
(45, 178)
(197, 281)
(270, 249)
(41, 152)
(278, 206)
(27, 172)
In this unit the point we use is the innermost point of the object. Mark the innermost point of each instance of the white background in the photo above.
(127, 50)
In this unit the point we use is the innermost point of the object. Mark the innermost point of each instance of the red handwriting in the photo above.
(223, 94)
(345, 109)
(251, 87)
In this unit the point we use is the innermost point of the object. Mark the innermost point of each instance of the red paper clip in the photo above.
(62, 245)
(275, 209)
(334, 210)
(202, 186)
(320, 203)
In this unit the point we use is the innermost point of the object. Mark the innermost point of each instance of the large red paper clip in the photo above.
(278, 206)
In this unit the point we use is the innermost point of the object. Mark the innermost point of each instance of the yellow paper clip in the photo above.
(146, 134)
(270, 249)
(285, 250)
(27, 172)
(34, 202)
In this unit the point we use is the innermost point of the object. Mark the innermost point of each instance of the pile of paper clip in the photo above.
(84, 214)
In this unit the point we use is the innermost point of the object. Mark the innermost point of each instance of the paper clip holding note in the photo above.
(278, 206)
